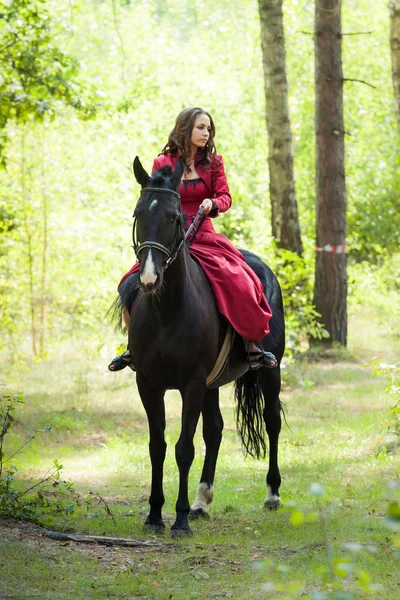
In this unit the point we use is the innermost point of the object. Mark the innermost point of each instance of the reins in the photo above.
(188, 237)
(193, 229)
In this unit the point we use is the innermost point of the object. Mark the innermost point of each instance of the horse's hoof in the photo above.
(198, 513)
(158, 528)
(272, 503)
(176, 532)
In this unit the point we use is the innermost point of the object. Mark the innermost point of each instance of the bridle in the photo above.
(177, 244)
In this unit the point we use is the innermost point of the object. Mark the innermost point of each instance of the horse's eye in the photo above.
(172, 220)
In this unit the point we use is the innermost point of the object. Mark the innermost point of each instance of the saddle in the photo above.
(223, 356)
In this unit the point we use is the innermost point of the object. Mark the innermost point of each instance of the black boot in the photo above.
(264, 359)
(121, 361)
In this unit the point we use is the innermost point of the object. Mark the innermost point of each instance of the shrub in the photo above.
(43, 500)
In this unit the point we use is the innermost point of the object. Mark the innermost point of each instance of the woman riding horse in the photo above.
(237, 290)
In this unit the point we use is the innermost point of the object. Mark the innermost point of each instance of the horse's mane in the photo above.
(161, 175)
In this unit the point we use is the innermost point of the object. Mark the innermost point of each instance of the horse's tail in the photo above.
(114, 315)
(249, 414)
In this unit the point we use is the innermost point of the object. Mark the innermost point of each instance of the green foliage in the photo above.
(392, 520)
(7, 222)
(392, 375)
(374, 216)
(339, 577)
(372, 143)
(35, 73)
(377, 285)
(68, 194)
(296, 277)
(43, 502)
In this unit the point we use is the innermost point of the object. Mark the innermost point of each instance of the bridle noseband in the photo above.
(177, 244)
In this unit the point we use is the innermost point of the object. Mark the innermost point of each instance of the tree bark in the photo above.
(330, 292)
(45, 219)
(394, 6)
(285, 221)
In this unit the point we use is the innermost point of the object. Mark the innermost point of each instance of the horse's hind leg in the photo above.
(153, 402)
(212, 435)
(270, 380)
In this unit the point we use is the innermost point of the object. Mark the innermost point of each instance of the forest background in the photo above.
(119, 72)
(67, 193)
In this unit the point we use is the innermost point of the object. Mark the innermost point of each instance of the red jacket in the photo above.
(214, 177)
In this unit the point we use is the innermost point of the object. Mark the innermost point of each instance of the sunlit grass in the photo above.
(338, 434)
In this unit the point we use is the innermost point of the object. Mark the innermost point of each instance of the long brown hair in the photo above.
(180, 136)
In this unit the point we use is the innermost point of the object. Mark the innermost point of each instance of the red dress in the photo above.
(238, 292)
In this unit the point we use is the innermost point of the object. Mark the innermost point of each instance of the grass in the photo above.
(338, 435)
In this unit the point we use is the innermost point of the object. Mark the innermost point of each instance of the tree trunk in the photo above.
(285, 222)
(45, 215)
(29, 241)
(330, 293)
(394, 7)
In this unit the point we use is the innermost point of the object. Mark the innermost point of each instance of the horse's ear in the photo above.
(177, 175)
(141, 175)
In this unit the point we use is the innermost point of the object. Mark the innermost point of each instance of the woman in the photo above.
(238, 291)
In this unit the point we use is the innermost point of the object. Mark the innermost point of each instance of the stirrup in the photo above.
(265, 359)
(121, 361)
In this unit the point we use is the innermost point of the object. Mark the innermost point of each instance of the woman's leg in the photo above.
(122, 360)
(127, 290)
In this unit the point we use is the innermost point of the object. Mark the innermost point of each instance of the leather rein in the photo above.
(178, 244)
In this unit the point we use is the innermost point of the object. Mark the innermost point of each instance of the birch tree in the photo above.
(330, 293)
(285, 222)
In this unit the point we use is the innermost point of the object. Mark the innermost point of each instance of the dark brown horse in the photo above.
(174, 339)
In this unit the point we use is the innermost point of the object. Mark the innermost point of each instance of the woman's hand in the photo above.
(207, 204)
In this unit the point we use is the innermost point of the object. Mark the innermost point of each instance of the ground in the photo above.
(339, 433)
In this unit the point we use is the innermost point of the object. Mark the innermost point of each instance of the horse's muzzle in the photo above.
(150, 287)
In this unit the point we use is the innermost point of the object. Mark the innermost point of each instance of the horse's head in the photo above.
(158, 225)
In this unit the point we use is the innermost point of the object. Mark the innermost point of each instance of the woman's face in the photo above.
(201, 132)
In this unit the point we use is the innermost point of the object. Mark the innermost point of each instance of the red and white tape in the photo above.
(339, 249)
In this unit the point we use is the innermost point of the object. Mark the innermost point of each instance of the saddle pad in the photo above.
(222, 358)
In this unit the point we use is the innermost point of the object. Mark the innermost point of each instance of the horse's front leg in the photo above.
(153, 402)
(192, 398)
(213, 425)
